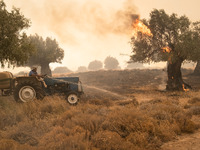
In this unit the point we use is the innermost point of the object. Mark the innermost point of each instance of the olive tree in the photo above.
(47, 51)
(174, 39)
(197, 68)
(15, 47)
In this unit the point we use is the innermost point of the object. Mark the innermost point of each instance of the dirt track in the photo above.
(184, 142)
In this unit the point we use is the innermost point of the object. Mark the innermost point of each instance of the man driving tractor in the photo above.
(34, 73)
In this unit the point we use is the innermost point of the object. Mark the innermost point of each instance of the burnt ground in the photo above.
(125, 83)
(141, 84)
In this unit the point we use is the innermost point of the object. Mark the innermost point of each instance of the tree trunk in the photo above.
(197, 68)
(45, 69)
(175, 81)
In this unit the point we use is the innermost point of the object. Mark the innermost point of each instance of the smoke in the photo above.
(70, 19)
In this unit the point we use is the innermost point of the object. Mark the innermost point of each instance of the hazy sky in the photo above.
(92, 29)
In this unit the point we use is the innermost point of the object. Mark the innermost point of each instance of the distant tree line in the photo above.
(110, 63)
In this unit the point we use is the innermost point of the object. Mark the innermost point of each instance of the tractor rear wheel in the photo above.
(72, 97)
(28, 91)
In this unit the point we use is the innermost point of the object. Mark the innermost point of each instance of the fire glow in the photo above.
(140, 27)
(184, 89)
(166, 49)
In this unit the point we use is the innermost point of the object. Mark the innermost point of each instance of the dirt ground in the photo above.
(184, 142)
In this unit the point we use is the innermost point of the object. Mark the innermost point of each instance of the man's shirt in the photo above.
(32, 73)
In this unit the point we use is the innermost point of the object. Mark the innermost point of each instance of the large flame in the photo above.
(140, 27)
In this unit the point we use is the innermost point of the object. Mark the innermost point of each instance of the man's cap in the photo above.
(34, 67)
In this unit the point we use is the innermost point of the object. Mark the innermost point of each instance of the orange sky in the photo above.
(91, 29)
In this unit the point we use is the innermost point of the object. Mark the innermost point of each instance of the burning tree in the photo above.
(47, 51)
(169, 38)
(197, 68)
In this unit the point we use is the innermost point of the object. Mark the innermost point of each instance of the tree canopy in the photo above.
(174, 39)
(82, 69)
(47, 51)
(111, 63)
(61, 70)
(95, 65)
(15, 47)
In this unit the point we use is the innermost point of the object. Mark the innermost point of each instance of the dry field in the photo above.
(120, 110)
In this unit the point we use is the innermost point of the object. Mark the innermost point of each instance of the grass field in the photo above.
(119, 110)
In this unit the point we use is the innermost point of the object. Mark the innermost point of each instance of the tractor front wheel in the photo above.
(72, 98)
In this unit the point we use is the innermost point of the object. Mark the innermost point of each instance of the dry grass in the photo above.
(193, 106)
(97, 122)
(53, 124)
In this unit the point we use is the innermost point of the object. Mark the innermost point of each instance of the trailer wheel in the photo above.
(28, 91)
(72, 97)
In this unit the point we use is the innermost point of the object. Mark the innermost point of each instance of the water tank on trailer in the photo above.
(5, 80)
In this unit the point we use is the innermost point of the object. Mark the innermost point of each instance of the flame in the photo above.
(166, 49)
(184, 89)
(140, 27)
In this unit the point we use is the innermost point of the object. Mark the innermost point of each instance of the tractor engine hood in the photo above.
(74, 83)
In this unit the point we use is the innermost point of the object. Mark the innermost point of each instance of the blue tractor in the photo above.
(29, 88)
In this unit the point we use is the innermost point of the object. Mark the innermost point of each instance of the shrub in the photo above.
(110, 141)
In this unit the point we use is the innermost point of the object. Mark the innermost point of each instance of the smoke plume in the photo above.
(71, 18)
